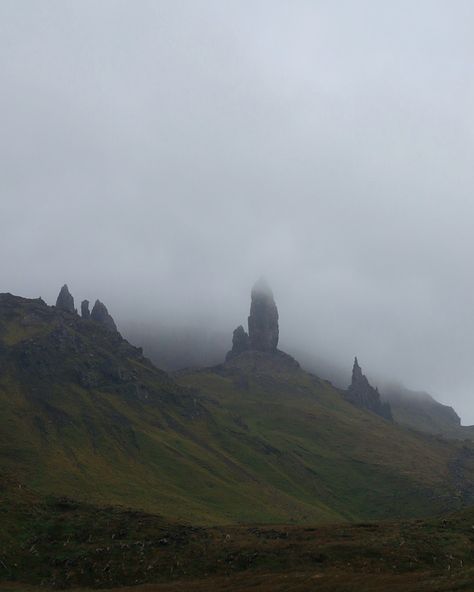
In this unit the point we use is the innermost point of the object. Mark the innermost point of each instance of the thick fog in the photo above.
(162, 155)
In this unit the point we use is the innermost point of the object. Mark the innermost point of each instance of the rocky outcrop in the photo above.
(65, 301)
(262, 322)
(85, 312)
(363, 395)
(100, 314)
(240, 342)
(263, 319)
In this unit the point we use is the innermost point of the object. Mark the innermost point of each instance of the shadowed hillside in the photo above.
(256, 439)
(420, 411)
(58, 543)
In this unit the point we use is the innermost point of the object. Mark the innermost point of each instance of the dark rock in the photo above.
(263, 319)
(363, 395)
(85, 312)
(65, 301)
(240, 342)
(100, 314)
(262, 322)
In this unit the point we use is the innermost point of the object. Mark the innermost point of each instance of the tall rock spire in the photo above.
(85, 312)
(262, 322)
(263, 319)
(363, 395)
(357, 377)
(65, 301)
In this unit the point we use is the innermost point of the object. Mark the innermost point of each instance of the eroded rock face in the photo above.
(240, 342)
(363, 395)
(263, 319)
(65, 301)
(85, 312)
(100, 314)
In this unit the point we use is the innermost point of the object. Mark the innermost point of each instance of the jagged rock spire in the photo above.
(357, 377)
(363, 395)
(263, 319)
(101, 315)
(65, 301)
(262, 322)
(85, 312)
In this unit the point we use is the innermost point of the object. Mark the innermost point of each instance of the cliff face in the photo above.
(363, 395)
(45, 346)
(420, 411)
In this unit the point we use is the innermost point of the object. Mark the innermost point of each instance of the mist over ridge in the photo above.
(163, 161)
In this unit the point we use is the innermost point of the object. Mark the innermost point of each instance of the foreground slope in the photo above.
(58, 543)
(84, 414)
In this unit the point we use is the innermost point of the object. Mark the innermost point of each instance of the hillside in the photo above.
(256, 439)
(420, 411)
(317, 444)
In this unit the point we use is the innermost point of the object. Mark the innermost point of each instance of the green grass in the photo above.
(249, 476)
(321, 447)
(58, 543)
(83, 414)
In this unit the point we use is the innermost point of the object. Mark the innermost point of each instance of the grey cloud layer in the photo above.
(163, 155)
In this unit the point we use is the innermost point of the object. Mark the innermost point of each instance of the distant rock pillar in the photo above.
(363, 395)
(85, 312)
(263, 319)
(100, 314)
(65, 301)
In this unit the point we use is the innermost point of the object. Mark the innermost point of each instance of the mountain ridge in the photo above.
(257, 438)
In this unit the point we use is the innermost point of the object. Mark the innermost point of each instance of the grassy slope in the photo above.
(82, 413)
(60, 543)
(316, 445)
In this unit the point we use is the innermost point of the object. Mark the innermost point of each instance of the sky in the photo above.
(161, 155)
